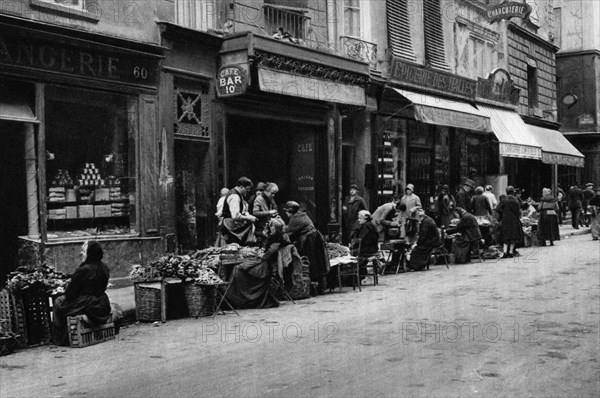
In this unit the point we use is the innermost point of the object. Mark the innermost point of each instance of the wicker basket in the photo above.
(200, 299)
(147, 301)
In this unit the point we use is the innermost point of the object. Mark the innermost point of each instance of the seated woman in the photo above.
(251, 281)
(85, 294)
(366, 239)
(238, 223)
(308, 241)
(427, 239)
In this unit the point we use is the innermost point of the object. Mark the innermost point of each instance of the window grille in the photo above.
(291, 22)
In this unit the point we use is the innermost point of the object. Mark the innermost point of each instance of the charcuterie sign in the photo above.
(508, 10)
(232, 80)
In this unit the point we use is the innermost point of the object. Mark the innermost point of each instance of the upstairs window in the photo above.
(285, 23)
(400, 41)
(194, 14)
(73, 4)
(435, 54)
(352, 18)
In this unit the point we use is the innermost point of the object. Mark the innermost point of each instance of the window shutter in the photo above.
(399, 30)
(434, 35)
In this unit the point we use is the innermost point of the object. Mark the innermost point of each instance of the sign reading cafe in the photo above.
(508, 10)
(232, 80)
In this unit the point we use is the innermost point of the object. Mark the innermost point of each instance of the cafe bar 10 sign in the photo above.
(232, 80)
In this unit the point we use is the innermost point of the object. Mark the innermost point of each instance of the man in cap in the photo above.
(588, 194)
(469, 233)
(428, 238)
(446, 204)
(260, 188)
(575, 204)
(353, 203)
(463, 196)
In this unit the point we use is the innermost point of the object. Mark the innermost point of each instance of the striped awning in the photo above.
(556, 149)
(515, 139)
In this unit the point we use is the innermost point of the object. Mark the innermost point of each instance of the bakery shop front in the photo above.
(77, 117)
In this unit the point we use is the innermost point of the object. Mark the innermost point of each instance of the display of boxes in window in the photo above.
(101, 211)
(102, 194)
(85, 211)
(119, 209)
(115, 193)
(57, 214)
(71, 212)
(56, 194)
(90, 175)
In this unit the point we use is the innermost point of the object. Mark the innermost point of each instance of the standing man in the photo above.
(383, 216)
(575, 203)
(588, 194)
(353, 203)
(238, 224)
(463, 196)
(561, 197)
(446, 205)
(264, 209)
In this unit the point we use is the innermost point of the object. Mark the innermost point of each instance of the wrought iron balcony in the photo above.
(360, 50)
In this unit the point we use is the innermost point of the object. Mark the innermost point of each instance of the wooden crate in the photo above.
(6, 311)
(31, 317)
(82, 334)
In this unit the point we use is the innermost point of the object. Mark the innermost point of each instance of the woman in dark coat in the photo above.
(548, 222)
(509, 213)
(368, 240)
(85, 294)
(308, 241)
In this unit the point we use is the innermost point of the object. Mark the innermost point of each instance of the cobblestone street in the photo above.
(517, 327)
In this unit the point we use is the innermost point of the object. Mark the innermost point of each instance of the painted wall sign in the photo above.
(418, 76)
(55, 54)
(306, 87)
(499, 86)
(232, 80)
(508, 10)
(519, 151)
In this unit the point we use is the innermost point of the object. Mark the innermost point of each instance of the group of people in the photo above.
(238, 224)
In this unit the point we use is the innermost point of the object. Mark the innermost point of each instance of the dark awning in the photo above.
(431, 109)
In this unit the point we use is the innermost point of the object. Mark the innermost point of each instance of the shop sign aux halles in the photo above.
(232, 80)
(508, 10)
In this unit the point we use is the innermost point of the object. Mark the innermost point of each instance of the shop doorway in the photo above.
(192, 198)
(292, 155)
(13, 194)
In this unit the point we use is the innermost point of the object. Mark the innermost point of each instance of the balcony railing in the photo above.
(360, 50)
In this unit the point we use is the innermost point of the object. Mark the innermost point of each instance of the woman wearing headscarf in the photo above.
(84, 295)
(509, 212)
(308, 241)
(548, 222)
(365, 240)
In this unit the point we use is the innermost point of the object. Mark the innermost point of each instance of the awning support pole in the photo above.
(33, 228)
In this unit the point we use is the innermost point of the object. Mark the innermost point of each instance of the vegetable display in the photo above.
(44, 277)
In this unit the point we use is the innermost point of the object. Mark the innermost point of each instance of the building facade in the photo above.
(577, 34)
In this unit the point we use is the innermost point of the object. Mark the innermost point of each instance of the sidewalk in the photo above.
(124, 296)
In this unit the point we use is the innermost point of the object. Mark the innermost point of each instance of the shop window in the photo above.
(400, 41)
(435, 54)
(352, 18)
(74, 4)
(200, 15)
(90, 163)
(285, 23)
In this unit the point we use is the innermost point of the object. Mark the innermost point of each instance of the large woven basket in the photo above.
(147, 302)
(200, 299)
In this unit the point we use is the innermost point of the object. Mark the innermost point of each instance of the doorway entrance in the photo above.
(13, 194)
